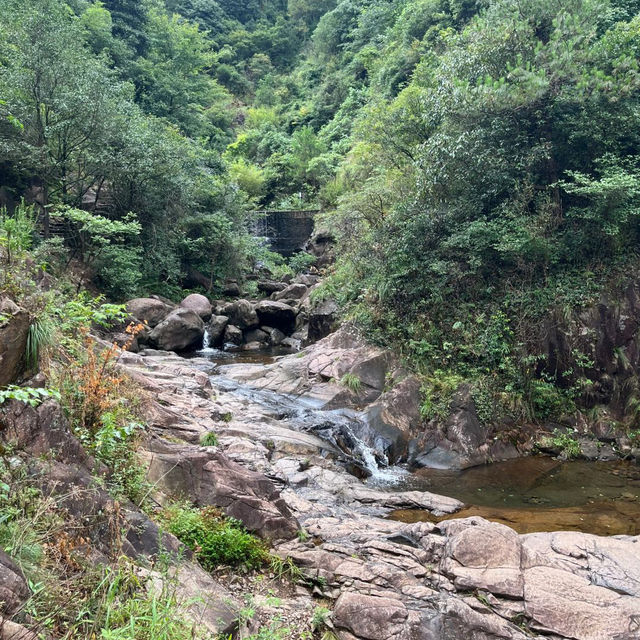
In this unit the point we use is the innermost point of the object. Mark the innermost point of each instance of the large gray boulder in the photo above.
(270, 286)
(242, 314)
(216, 328)
(149, 311)
(295, 291)
(256, 335)
(322, 320)
(181, 330)
(277, 315)
(14, 329)
(198, 303)
(233, 335)
(458, 442)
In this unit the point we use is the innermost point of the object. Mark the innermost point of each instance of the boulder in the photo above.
(126, 340)
(275, 336)
(14, 329)
(308, 279)
(242, 315)
(256, 335)
(233, 335)
(276, 314)
(231, 289)
(216, 328)
(13, 586)
(209, 478)
(198, 303)
(459, 442)
(181, 330)
(270, 286)
(373, 617)
(321, 245)
(295, 291)
(486, 557)
(322, 320)
(149, 311)
(394, 419)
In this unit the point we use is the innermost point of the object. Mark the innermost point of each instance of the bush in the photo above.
(209, 439)
(215, 539)
(17, 230)
(301, 262)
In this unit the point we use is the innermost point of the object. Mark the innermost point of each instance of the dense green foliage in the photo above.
(118, 114)
(481, 155)
(215, 539)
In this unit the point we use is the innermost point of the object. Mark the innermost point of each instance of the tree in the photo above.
(130, 19)
(46, 81)
(174, 78)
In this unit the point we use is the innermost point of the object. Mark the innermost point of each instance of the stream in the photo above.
(532, 494)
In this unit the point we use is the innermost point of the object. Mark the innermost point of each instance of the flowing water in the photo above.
(537, 493)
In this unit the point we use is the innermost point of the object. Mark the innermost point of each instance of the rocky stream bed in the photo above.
(395, 528)
(290, 459)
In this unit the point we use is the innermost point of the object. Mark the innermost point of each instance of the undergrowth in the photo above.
(71, 597)
(215, 539)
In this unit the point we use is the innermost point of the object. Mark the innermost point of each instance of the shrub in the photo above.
(17, 230)
(437, 392)
(301, 262)
(215, 539)
(114, 443)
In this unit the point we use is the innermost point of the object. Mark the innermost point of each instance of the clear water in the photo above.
(529, 494)
(541, 494)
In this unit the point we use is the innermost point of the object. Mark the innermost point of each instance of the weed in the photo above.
(275, 630)
(41, 335)
(284, 568)
(437, 393)
(320, 618)
(209, 439)
(114, 443)
(215, 539)
(568, 445)
(303, 536)
(352, 382)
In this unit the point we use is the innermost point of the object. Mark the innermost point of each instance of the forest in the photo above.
(476, 160)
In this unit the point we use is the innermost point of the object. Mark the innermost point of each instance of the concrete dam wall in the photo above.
(286, 230)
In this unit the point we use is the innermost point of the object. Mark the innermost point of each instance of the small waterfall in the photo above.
(206, 340)
(337, 427)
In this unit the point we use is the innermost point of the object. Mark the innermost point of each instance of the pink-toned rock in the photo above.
(485, 556)
(570, 606)
(148, 310)
(198, 303)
